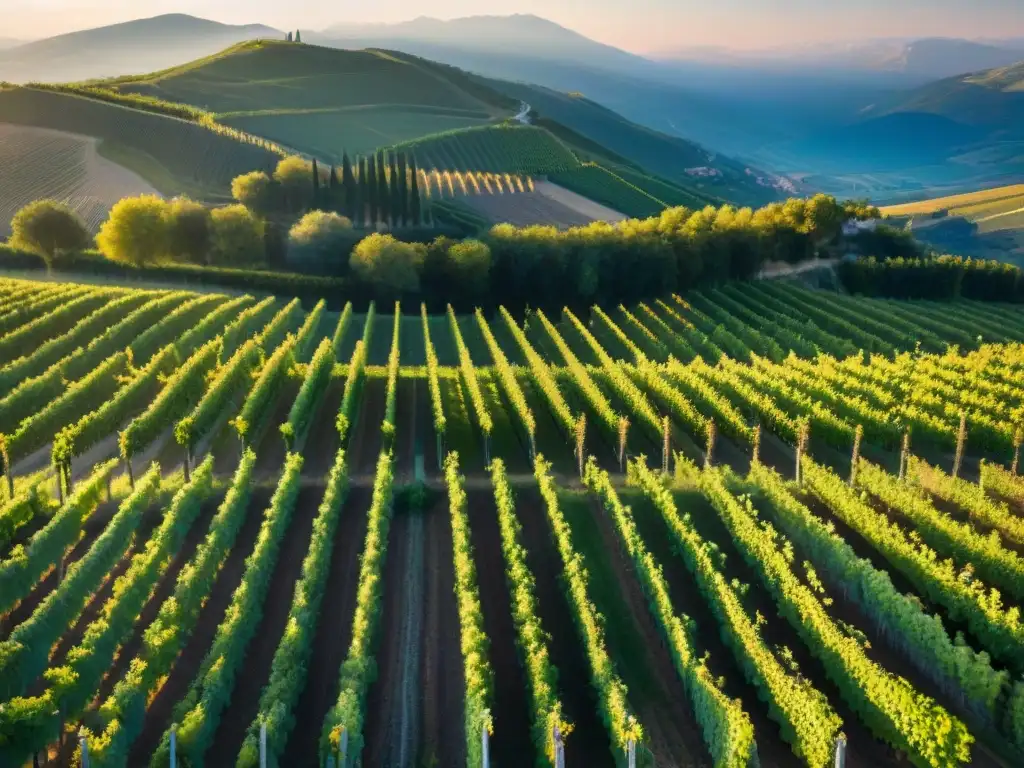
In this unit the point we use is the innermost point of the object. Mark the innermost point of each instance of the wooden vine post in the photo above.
(803, 436)
(709, 451)
(961, 441)
(858, 436)
(581, 437)
(1018, 438)
(666, 443)
(905, 455)
(559, 747)
(757, 444)
(7, 467)
(623, 434)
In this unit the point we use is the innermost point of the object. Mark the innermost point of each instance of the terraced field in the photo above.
(692, 531)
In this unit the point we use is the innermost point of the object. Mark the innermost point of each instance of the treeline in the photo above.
(942, 278)
(382, 189)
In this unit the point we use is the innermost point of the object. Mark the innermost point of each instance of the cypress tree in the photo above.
(361, 193)
(288, 37)
(316, 185)
(383, 196)
(403, 188)
(334, 190)
(371, 191)
(298, 36)
(348, 188)
(414, 194)
(395, 199)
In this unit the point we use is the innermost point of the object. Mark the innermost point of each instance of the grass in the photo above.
(329, 134)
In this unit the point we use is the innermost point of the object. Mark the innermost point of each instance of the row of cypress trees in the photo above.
(380, 189)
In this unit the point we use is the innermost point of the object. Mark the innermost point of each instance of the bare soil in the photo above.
(588, 744)
(176, 685)
(245, 698)
(334, 632)
(322, 441)
(365, 437)
(512, 742)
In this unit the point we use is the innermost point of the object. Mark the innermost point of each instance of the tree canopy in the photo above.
(49, 229)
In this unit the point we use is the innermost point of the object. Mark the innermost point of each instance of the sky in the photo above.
(641, 26)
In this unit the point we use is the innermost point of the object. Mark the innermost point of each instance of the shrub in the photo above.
(390, 264)
(189, 231)
(469, 267)
(321, 237)
(295, 176)
(237, 237)
(256, 191)
(49, 229)
(135, 232)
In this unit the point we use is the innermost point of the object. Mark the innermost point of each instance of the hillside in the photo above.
(985, 224)
(137, 46)
(325, 101)
(172, 155)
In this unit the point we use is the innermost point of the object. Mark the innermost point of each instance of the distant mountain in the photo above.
(138, 46)
(940, 57)
(992, 100)
(524, 35)
(9, 42)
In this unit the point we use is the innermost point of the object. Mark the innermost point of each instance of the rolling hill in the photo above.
(985, 224)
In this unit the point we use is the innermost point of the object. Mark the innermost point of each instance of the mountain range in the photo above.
(133, 47)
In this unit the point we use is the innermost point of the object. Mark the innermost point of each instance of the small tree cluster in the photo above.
(381, 190)
(49, 229)
(150, 230)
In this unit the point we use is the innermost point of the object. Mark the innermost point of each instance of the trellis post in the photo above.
(855, 458)
(174, 745)
(709, 452)
(485, 742)
(581, 436)
(131, 472)
(83, 744)
(803, 436)
(263, 745)
(623, 433)
(559, 748)
(188, 461)
(757, 445)
(343, 752)
(961, 441)
(666, 444)
(631, 753)
(1018, 438)
(840, 751)
(904, 455)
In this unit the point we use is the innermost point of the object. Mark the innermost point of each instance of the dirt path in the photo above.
(365, 435)
(588, 744)
(578, 203)
(321, 444)
(244, 704)
(334, 632)
(512, 742)
(176, 685)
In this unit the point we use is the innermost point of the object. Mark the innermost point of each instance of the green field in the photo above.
(330, 133)
(498, 149)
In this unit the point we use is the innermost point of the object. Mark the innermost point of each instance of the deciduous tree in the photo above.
(49, 229)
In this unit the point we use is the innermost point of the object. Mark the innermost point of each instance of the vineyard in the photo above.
(171, 154)
(756, 525)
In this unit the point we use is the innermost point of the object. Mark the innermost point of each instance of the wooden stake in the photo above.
(905, 455)
(131, 473)
(666, 444)
(709, 451)
(961, 441)
(1018, 438)
(623, 433)
(757, 444)
(803, 436)
(857, 437)
(581, 436)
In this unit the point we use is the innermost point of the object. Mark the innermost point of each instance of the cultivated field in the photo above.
(975, 204)
(370, 534)
(174, 156)
(39, 163)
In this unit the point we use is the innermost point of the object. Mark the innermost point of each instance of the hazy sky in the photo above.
(637, 25)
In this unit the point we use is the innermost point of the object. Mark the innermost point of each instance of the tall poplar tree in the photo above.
(414, 194)
(383, 198)
(334, 190)
(348, 184)
(316, 186)
(403, 189)
(393, 194)
(361, 194)
(372, 196)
